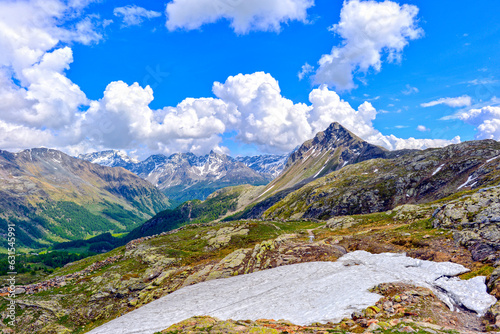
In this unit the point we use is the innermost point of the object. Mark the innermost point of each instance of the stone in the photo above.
(481, 251)
(407, 329)
(372, 327)
(137, 286)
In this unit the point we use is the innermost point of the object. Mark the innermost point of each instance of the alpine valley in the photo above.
(51, 197)
(251, 235)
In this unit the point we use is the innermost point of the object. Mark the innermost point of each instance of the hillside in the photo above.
(381, 184)
(52, 197)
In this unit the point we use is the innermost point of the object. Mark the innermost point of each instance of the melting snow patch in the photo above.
(320, 171)
(304, 293)
(437, 170)
(489, 160)
(267, 190)
(470, 178)
(471, 293)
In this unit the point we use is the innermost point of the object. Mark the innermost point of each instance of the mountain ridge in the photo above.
(186, 176)
(45, 191)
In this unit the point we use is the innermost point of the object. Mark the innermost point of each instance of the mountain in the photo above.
(381, 184)
(52, 197)
(185, 176)
(269, 166)
(110, 158)
(328, 151)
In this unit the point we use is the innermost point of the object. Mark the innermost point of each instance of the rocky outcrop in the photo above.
(60, 281)
(476, 222)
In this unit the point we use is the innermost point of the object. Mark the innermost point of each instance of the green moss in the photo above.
(485, 270)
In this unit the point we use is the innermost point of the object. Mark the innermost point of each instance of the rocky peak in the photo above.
(335, 132)
(109, 158)
(328, 151)
(337, 139)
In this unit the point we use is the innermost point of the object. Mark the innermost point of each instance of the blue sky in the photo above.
(445, 52)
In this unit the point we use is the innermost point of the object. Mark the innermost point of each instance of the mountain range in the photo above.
(185, 176)
(337, 173)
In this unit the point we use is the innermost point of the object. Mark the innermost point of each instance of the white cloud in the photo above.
(486, 120)
(134, 15)
(422, 128)
(370, 30)
(267, 119)
(276, 124)
(305, 71)
(410, 90)
(455, 102)
(194, 125)
(328, 107)
(265, 15)
(39, 103)
(251, 105)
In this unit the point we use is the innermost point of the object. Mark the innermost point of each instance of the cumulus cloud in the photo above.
(455, 102)
(276, 124)
(250, 105)
(486, 120)
(264, 15)
(194, 125)
(370, 30)
(267, 119)
(134, 15)
(38, 101)
(327, 107)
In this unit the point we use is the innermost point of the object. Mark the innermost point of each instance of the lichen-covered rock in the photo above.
(340, 222)
(475, 221)
(221, 237)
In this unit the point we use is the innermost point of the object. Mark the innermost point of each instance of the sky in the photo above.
(245, 77)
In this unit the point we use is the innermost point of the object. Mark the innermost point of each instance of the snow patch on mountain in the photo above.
(268, 165)
(110, 158)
